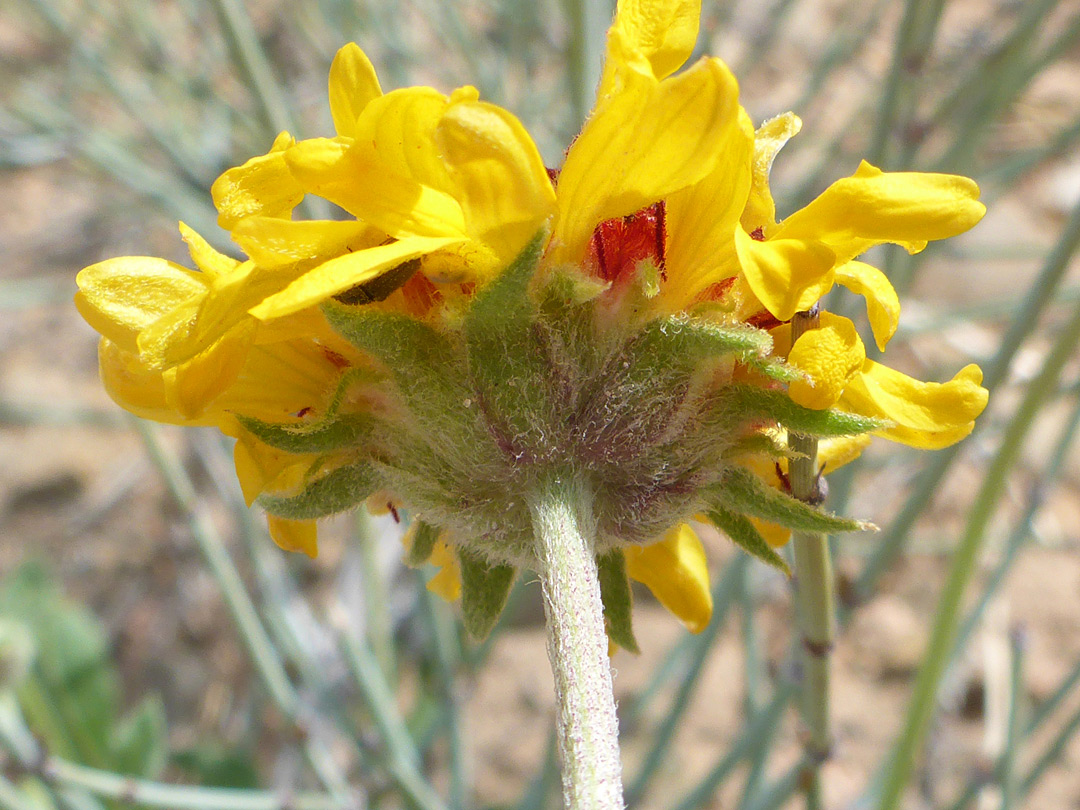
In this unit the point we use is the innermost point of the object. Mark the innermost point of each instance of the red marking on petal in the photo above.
(394, 512)
(764, 320)
(717, 291)
(758, 234)
(300, 414)
(619, 245)
(785, 482)
(335, 359)
(420, 294)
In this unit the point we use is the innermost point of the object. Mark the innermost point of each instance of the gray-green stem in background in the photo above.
(813, 599)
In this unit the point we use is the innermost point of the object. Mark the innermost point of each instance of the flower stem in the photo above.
(577, 645)
(814, 600)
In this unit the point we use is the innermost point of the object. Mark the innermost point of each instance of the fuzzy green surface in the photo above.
(542, 374)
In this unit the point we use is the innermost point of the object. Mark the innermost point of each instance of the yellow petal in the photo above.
(308, 324)
(925, 415)
(461, 260)
(121, 297)
(501, 182)
(353, 84)
(264, 185)
(834, 453)
(273, 243)
(260, 468)
(446, 583)
(233, 295)
(294, 535)
(207, 259)
(338, 275)
(171, 338)
(399, 132)
(194, 384)
(677, 573)
(354, 177)
(768, 141)
(786, 275)
(781, 340)
(701, 220)
(662, 32)
(832, 356)
(775, 536)
(872, 207)
(280, 380)
(647, 141)
(882, 303)
(138, 389)
(248, 471)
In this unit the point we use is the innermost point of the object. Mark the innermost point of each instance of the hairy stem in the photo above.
(814, 600)
(577, 645)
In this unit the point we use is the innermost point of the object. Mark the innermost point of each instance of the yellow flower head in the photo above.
(479, 320)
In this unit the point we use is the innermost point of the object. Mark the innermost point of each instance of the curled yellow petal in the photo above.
(786, 275)
(279, 380)
(210, 261)
(882, 303)
(191, 386)
(354, 177)
(663, 32)
(274, 243)
(872, 207)
(294, 535)
(645, 142)
(677, 573)
(121, 297)
(924, 415)
(398, 131)
(138, 389)
(263, 185)
(832, 356)
(353, 84)
(171, 338)
(338, 275)
(500, 179)
(769, 139)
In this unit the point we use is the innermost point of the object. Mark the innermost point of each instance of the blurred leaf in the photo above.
(17, 653)
(215, 764)
(138, 742)
(33, 795)
(70, 695)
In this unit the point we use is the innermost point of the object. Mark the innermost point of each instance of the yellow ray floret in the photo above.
(264, 185)
(352, 85)
(768, 141)
(646, 141)
(869, 208)
(654, 36)
(924, 415)
(882, 303)
(677, 573)
(831, 356)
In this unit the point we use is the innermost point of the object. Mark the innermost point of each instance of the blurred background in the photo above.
(149, 628)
